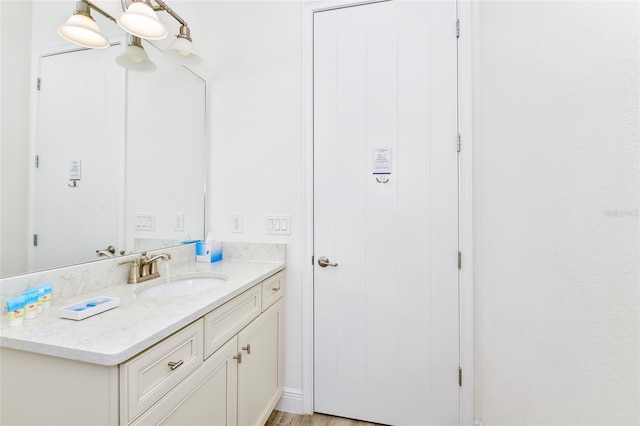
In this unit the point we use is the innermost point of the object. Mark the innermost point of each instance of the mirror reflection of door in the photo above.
(80, 142)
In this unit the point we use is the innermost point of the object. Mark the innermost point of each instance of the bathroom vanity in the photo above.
(213, 357)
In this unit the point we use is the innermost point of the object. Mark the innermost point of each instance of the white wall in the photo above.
(556, 154)
(254, 54)
(15, 143)
(556, 134)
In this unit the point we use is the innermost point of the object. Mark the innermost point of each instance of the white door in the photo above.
(386, 316)
(80, 118)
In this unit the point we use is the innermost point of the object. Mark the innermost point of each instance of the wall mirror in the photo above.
(107, 157)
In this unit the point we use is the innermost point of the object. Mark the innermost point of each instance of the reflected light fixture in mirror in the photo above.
(82, 29)
(134, 57)
(142, 21)
(182, 50)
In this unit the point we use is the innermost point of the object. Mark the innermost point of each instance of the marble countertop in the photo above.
(114, 336)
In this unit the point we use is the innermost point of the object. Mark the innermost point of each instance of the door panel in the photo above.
(81, 114)
(386, 318)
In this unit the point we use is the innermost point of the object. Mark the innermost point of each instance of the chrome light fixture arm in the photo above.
(97, 9)
(163, 6)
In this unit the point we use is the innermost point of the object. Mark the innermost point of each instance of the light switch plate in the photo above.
(145, 222)
(278, 225)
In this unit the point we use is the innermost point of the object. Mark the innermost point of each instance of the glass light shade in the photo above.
(134, 58)
(82, 30)
(183, 52)
(142, 21)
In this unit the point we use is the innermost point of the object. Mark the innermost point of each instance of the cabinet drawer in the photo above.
(206, 397)
(147, 377)
(272, 289)
(226, 321)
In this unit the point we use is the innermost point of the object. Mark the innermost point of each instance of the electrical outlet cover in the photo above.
(236, 223)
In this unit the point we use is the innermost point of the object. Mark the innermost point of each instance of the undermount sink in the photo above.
(181, 287)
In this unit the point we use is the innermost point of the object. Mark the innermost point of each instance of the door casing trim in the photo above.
(465, 220)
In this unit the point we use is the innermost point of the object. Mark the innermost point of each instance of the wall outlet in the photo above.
(178, 221)
(236, 223)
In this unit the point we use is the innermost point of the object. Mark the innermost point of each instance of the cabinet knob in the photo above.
(175, 365)
(238, 357)
(247, 348)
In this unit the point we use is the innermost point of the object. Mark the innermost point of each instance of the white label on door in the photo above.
(382, 161)
(75, 168)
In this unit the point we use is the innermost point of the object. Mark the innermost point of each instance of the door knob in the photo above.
(323, 261)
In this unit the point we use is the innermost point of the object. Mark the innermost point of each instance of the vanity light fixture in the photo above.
(82, 29)
(141, 20)
(182, 50)
(134, 57)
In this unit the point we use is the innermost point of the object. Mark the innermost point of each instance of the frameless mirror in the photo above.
(99, 158)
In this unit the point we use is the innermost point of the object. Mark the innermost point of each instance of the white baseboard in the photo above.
(291, 401)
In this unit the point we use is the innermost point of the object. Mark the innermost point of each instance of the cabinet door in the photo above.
(260, 372)
(206, 397)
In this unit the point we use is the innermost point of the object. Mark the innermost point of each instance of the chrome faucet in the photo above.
(144, 268)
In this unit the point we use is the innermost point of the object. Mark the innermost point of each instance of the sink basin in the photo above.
(182, 287)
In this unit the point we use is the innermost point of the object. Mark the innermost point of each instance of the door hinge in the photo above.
(459, 377)
(459, 260)
(38, 83)
(457, 28)
(35, 240)
(36, 161)
(459, 143)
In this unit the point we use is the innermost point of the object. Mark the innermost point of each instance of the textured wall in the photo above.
(556, 168)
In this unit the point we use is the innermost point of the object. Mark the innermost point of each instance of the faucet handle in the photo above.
(129, 262)
(134, 270)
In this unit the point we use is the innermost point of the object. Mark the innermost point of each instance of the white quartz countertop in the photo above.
(114, 336)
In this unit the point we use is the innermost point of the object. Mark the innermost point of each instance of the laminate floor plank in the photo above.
(280, 418)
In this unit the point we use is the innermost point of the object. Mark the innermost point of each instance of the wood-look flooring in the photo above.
(280, 418)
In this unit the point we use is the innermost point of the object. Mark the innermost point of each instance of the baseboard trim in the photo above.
(291, 401)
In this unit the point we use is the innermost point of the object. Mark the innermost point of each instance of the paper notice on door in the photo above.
(75, 168)
(382, 161)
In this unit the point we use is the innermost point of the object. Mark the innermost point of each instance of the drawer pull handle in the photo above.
(238, 357)
(175, 365)
(247, 348)
(276, 289)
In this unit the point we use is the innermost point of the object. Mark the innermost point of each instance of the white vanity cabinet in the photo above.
(260, 372)
(206, 397)
(239, 384)
(240, 379)
(223, 369)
